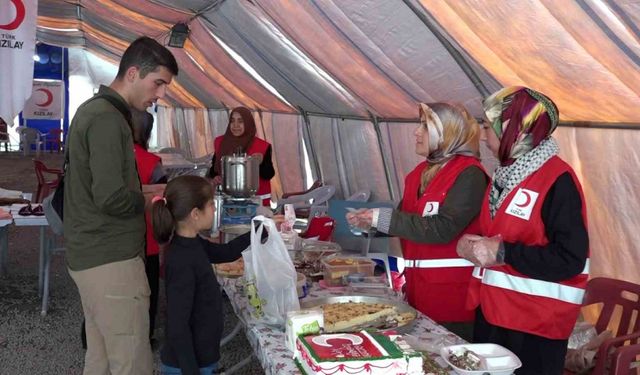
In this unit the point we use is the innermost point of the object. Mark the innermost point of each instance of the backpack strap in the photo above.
(123, 109)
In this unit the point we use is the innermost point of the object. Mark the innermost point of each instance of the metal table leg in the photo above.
(47, 267)
(231, 334)
(41, 262)
(238, 365)
(4, 248)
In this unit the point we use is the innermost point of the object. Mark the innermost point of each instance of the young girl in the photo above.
(194, 301)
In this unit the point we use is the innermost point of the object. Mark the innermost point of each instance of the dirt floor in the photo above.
(31, 344)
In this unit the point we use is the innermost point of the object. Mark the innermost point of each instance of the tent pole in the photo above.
(306, 133)
(385, 164)
(455, 54)
(599, 125)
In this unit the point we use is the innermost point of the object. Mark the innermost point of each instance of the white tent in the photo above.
(340, 80)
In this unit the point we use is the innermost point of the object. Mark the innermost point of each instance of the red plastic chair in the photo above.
(321, 227)
(624, 295)
(45, 187)
(54, 139)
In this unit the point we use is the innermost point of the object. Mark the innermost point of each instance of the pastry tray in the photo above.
(400, 306)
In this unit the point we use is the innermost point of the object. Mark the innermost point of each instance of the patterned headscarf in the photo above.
(521, 118)
(230, 143)
(452, 132)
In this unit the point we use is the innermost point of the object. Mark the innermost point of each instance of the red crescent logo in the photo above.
(49, 98)
(324, 339)
(429, 207)
(20, 14)
(527, 199)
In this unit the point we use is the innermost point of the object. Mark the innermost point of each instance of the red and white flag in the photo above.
(46, 102)
(17, 47)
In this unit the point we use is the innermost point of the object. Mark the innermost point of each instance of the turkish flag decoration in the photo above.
(46, 102)
(17, 47)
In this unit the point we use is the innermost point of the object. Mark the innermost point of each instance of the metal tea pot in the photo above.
(240, 175)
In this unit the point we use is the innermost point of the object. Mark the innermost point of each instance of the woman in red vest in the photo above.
(150, 172)
(534, 249)
(441, 201)
(241, 137)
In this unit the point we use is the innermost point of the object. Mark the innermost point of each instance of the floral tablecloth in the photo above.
(269, 342)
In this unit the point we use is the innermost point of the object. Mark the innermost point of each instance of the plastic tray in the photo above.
(497, 359)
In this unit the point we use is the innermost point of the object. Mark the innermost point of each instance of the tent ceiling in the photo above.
(375, 56)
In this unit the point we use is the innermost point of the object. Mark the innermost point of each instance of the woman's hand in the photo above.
(481, 251)
(362, 218)
(217, 180)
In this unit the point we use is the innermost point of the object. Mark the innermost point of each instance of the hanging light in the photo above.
(179, 34)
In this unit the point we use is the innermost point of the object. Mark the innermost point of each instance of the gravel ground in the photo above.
(31, 344)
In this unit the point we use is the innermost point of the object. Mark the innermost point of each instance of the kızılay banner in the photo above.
(17, 47)
(46, 101)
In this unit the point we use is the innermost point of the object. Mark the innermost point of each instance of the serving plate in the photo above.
(400, 306)
(496, 359)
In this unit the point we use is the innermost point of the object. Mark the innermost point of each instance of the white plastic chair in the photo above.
(172, 150)
(315, 197)
(28, 137)
(360, 196)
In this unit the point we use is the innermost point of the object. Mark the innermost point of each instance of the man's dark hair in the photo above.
(147, 54)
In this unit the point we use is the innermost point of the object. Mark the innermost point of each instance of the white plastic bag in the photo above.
(273, 273)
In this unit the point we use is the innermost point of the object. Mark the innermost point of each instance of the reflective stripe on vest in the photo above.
(585, 271)
(478, 271)
(533, 287)
(437, 263)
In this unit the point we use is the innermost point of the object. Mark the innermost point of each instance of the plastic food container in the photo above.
(494, 359)
(368, 285)
(308, 260)
(337, 267)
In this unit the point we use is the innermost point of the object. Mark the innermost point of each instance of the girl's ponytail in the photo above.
(181, 195)
(163, 221)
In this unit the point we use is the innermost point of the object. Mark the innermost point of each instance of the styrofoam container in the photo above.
(497, 360)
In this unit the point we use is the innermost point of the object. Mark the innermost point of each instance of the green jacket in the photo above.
(103, 201)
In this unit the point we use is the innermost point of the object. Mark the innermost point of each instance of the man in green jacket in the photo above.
(104, 225)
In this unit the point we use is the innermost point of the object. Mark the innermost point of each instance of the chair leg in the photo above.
(38, 192)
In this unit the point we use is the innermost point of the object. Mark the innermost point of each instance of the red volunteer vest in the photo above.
(258, 146)
(437, 278)
(510, 299)
(146, 163)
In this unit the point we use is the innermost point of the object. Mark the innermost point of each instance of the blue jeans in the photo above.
(168, 370)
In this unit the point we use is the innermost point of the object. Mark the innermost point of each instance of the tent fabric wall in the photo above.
(606, 162)
(375, 59)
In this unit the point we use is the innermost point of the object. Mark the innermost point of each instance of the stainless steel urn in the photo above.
(240, 175)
